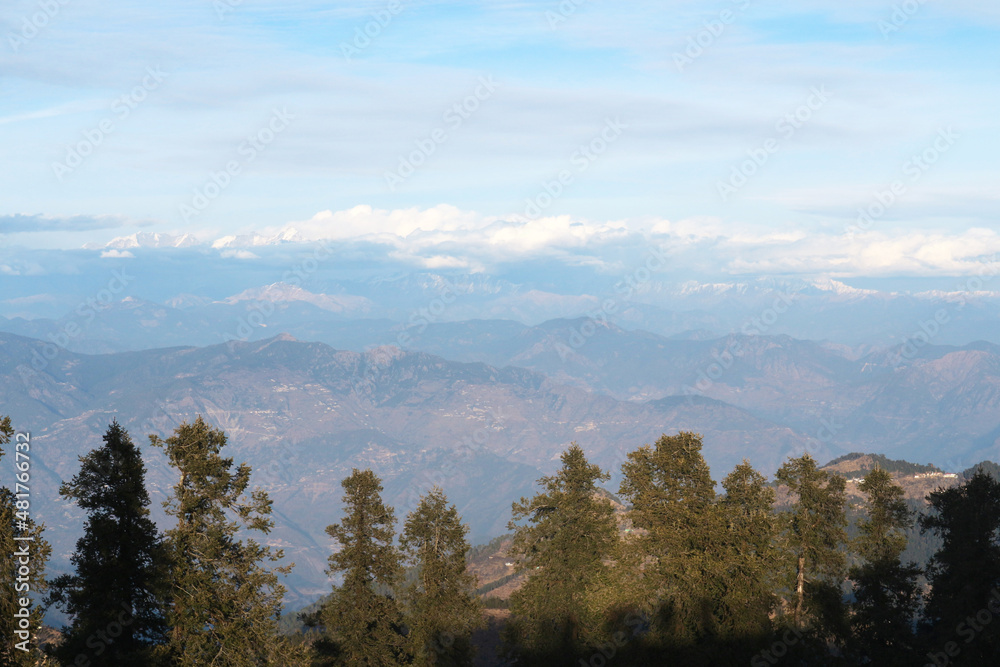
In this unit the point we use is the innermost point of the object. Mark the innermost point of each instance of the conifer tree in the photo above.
(568, 534)
(443, 609)
(885, 589)
(965, 572)
(22, 546)
(363, 619)
(225, 601)
(814, 533)
(115, 597)
(672, 495)
(748, 557)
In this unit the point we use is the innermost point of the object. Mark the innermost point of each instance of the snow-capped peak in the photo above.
(837, 287)
(254, 239)
(146, 240)
(283, 292)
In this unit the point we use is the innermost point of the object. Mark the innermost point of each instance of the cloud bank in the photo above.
(445, 236)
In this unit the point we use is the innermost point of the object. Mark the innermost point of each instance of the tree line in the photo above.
(684, 574)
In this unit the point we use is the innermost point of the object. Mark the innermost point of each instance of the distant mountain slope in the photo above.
(258, 295)
(846, 397)
(304, 414)
(857, 464)
(902, 401)
(939, 403)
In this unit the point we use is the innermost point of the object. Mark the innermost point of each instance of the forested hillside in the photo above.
(675, 567)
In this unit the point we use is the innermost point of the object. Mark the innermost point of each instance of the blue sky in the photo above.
(181, 88)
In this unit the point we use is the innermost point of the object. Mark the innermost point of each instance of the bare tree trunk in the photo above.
(800, 590)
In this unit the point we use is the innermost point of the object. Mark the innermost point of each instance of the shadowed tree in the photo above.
(443, 609)
(885, 589)
(363, 621)
(115, 596)
(224, 601)
(748, 558)
(672, 495)
(22, 546)
(965, 572)
(568, 533)
(814, 535)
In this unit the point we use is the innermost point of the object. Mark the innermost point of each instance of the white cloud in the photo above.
(238, 254)
(355, 119)
(30, 300)
(446, 237)
(364, 221)
(874, 254)
(117, 254)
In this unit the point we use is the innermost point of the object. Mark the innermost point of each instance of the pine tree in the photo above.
(225, 602)
(443, 609)
(965, 573)
(672, 495)
(814, 534)
(362, 617)
(22, 546)
(885, 589)
(569, 533)
(115, 597)
(748, 557)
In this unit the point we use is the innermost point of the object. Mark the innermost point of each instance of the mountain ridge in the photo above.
(303, 414)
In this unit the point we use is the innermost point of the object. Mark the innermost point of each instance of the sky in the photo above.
(841, 138)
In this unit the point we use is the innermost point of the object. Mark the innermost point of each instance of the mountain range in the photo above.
(168, 296)
(395, 308)
(488, 420)
(304, 414)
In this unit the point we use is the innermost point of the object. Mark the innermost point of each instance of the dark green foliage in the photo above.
(13, 586)
(989, 467)
(296, 622)
(115, 596)
(493, 585)
(814, 532)
(563, 545)
(442, 609)
(747, 556)
(885, 589)
(224, 600)
(920, 546)
(965, 573)
(683, 576)
(678, 553)
(495, 603)
(705, 565)
(363, 621)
